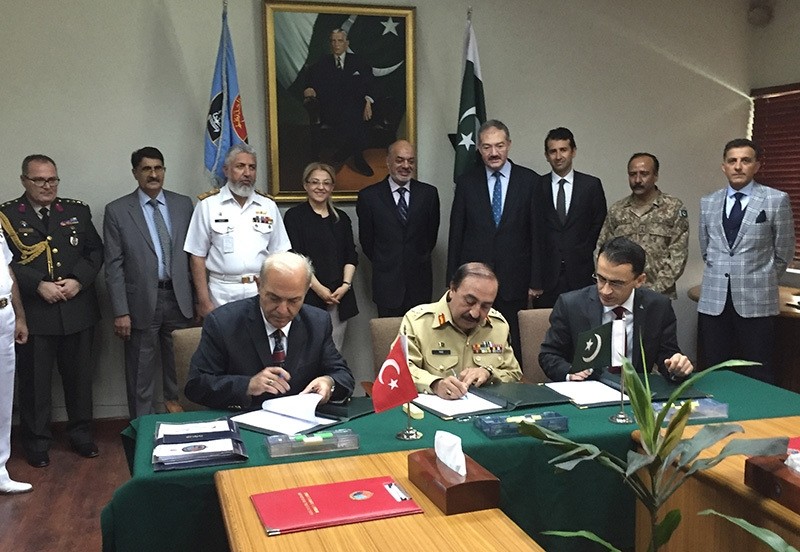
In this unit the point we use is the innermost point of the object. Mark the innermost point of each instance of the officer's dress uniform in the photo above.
(235, 240)
(437, 348)
(62, 332)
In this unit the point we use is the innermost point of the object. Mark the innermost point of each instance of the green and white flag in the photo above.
(593, 349)
(472, 109)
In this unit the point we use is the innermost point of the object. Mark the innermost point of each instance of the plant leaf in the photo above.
(586, 535)
(673, 398)
(641, 405)
(707, 436)
(674, 432)
(664, 528)
(637, 461)
(750, 447)
(766, 536)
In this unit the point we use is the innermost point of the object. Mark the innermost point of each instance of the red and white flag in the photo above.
(394, 385)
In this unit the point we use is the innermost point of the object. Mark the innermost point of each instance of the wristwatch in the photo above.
(333, 384)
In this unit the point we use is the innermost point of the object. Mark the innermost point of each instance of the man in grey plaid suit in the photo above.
(747, 240)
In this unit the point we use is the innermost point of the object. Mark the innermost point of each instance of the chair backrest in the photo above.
(184, 344)
(533, 325)
(383, 331)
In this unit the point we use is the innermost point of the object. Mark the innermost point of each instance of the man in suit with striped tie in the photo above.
(747, 240)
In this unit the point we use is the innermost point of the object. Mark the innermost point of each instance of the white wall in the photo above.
(88, 82)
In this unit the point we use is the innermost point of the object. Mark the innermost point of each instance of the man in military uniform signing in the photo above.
(57, 255)
(655, 220)
(460, 340)
(233, 229)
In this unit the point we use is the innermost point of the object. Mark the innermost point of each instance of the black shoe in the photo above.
(87, 450)
(37, 459)
(361, 166)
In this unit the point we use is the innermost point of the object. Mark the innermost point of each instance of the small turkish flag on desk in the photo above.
(394, 385)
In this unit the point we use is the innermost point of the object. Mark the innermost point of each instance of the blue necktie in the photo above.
(402, 205)
(497, 199)
(734, 220)
(164, 239)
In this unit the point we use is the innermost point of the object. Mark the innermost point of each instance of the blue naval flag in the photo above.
(225, 123)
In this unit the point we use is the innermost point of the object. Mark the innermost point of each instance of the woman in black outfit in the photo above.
(324, 233)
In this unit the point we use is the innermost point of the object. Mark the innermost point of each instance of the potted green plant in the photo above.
(666, 459)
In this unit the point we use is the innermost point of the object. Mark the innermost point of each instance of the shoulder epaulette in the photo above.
(497, 314)
(68, 200)
(9, 202)
(264, 194)
(209, 193)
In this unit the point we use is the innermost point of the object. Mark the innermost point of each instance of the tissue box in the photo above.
(453, 493)
(772, 478)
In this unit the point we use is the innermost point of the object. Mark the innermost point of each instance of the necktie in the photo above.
(164, 239)
(561, 202)
(402, 205)
(338, 62)
(44, 212)
(734, 220)
(278, 352)
(497, 199)
(619, 314)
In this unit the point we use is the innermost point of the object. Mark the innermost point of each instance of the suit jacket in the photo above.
(580, 310)
(131, 264)
(234, 347)
(341, 92)
(512, 248)
(573, 242)
(77, 252)
(759, 256)
(400, 255)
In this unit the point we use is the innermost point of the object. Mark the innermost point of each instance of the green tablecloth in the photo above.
(179, 510)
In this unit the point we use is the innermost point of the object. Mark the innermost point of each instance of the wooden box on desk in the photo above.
(451, 492)
(771, 477)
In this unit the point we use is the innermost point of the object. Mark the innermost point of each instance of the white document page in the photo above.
(287, 415)
(213, 426)
(467, 404)
(587, 392)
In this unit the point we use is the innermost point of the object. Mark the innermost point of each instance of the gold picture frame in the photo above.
(326, 126)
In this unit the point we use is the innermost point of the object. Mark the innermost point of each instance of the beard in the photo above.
(241, 190)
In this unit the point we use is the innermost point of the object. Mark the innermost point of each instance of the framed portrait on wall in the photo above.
(340, 89)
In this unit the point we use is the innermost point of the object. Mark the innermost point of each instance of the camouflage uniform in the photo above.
(437, 348)
(663, 232)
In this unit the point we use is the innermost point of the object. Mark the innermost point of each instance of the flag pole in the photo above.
(409, 433)
(621, 417)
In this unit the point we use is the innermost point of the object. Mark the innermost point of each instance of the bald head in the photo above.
(401, 161)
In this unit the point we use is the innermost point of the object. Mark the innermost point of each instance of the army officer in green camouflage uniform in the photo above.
(656, 221)
(460, 340)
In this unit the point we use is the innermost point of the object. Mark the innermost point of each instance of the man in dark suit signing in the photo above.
(269, 345)
(645, 315)
(572, 208)
(398, 223)
(148, 279)
(492, 222)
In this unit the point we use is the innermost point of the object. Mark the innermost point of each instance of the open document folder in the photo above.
(193, 444)
(587, 392)
(286, 415)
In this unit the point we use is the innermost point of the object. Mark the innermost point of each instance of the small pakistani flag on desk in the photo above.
(593, 349)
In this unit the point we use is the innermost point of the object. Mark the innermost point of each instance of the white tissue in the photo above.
(448, 450)
(793, 461)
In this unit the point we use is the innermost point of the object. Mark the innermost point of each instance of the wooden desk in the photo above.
(432, 530)
(722, 488)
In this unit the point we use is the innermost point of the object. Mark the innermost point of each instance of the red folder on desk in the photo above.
(302, 508)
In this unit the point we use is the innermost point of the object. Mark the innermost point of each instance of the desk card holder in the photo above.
(450, 492)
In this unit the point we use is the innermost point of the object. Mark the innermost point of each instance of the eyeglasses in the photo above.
(40, 182)
(613, 284)
(148, 170)
(315, 182)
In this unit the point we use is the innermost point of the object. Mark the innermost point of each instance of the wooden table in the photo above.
(722, 488)
(432, 530)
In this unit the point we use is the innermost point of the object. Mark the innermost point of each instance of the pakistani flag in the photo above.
(593, 349)
(472, 110)
(225, 123)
